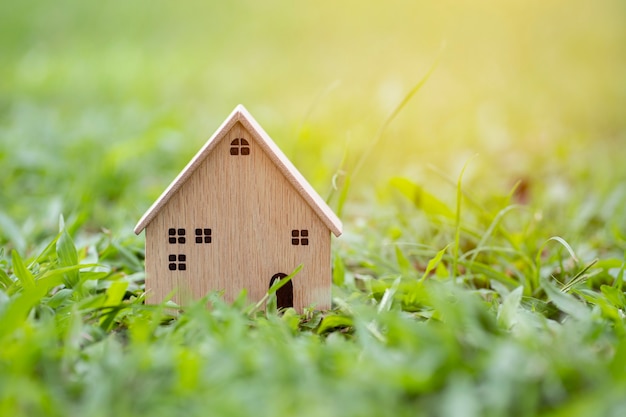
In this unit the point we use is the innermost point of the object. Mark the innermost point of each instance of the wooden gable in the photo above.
(288, 170)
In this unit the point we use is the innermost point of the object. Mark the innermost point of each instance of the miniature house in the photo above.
(239, 216)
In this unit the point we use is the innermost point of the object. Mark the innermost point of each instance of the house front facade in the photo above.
(239, 217)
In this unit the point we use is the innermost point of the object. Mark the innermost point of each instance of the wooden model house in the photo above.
(239, 216)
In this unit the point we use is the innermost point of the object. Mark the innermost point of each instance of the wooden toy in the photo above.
(239, 216)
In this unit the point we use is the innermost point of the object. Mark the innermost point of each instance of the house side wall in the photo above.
(251, 210)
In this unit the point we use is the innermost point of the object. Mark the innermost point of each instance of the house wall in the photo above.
(251, 210)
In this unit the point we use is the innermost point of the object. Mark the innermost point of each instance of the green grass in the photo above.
(477, 156)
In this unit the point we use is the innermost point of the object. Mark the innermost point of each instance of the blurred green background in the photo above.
(102, 103)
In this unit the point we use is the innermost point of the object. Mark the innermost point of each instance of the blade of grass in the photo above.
(275, 287)
(457, 221)
(68, 256)
(579, 277)
(536, 278)
(394, 113)
(21, 272)
(5, 280)
(433, 263)
(490, 230)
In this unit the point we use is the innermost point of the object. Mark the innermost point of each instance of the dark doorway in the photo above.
(284, 295)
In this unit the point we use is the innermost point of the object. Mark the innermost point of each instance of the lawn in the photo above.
(474, 152)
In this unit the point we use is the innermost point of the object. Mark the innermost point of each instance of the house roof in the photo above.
(241, 115)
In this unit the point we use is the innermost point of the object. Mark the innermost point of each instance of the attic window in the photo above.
(177, 262)
(176, 235)
(239, 146)
(300, 237)
(203, 235)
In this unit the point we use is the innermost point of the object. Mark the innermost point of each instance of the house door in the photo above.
(284, 295)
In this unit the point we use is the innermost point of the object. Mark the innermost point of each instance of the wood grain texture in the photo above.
(289, 171)
(251, 208)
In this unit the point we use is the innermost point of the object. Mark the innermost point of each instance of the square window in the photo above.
(181, 232)
(181, 240)
(172, 258)
(182, 258)
(300, 237)
(182, 267)
(172, 240)
(171, 231)
(203, 235)
(172, 267)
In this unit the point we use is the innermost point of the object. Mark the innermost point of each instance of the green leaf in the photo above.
(14, 315)
(56, 276)
(421, 198)
(280, 283)
(57, 299)
(387, 299)
(115, 293)
(275, 287)
(540, 253)
(339, 271)
(21, 272)
(114, 296)
(457, 220)
(565, 302)
(434, 262)
(615, 296)
(491, 273)
(5, 280)
(508, 308)
(68, 256)
(333, 322)
(404, 264)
